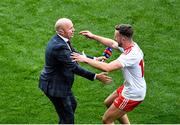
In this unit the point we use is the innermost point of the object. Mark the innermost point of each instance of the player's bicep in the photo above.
(114, 65)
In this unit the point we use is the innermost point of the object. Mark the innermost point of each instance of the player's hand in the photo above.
(78, 57)
(87, 34)
(101, 58)
(104, 78)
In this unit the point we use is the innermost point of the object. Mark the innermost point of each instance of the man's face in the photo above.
(68, 30)
(118, 38)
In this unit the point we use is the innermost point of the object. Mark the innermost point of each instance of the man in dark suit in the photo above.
(57, 76)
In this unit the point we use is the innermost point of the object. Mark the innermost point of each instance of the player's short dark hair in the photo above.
(125, 30)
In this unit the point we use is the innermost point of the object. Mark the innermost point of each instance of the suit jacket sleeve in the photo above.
(91, 57)
(63, 54)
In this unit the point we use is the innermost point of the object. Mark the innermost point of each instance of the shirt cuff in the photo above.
(94, 76)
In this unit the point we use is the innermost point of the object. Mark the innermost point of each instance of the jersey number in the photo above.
(141, 64)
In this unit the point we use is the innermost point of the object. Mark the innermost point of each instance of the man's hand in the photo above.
(87, 34)
(78, 57)
(101, 58)
(104, 78)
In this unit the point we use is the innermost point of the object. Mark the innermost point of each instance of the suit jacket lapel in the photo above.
(70, 47)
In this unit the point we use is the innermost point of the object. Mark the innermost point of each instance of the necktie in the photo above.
(69, 43)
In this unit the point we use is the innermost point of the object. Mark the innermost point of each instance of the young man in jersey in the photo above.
(133, 91)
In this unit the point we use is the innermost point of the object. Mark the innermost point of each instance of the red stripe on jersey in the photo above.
(128, 50)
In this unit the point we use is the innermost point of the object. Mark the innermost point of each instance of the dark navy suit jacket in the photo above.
(57, 76)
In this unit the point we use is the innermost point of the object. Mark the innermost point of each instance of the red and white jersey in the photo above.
(133, 71)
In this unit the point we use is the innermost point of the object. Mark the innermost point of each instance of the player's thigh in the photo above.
(113, 113)
(109, 100)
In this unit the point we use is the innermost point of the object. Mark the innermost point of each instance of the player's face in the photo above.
(68, 30)
(118, 38)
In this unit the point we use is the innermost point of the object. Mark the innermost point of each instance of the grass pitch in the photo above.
(26, 26)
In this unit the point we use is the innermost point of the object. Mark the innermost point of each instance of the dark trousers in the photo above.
(65, 108)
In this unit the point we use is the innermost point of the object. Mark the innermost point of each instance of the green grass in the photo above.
(26, 26)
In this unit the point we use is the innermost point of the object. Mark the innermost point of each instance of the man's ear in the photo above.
(60, 31)
(124, 38)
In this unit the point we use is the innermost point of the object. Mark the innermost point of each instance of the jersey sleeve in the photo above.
(127, 59)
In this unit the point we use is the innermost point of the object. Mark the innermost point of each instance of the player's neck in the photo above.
(128, 44)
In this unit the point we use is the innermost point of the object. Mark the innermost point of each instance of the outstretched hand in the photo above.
(87, 34)
(78, 57)
(104, 78)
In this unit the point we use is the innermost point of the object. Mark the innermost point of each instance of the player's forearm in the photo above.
(106, 41)
(98, 65)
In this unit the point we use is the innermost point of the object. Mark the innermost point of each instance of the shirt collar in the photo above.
(65, 39)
